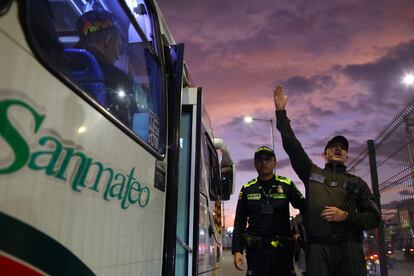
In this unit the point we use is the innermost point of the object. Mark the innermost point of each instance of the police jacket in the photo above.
(265, 206)
(330, 186)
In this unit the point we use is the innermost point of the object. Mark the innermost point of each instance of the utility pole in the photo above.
(375, 190)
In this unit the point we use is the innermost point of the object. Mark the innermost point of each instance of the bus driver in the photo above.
(99, 34)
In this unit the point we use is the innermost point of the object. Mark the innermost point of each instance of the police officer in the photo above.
(264, 204)
(339, 205)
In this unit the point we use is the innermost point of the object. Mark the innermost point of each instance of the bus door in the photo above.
(187, 190)
(198, 219)
(174, 55)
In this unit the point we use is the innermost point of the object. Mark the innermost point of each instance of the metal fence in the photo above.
(394, 151)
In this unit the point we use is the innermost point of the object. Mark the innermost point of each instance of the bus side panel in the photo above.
(209, 257)
(69, 173)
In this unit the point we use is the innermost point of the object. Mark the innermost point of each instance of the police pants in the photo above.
(269, 262)
(335, 259)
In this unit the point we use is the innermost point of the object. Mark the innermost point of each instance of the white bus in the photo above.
(106, 167)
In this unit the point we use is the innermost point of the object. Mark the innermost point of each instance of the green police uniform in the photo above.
(335, 248)
(264, 205)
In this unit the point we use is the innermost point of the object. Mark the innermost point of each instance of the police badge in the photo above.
(279, 189)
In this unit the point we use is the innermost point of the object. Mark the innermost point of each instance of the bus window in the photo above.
(140, 10)
(212, 169)
(99, 51)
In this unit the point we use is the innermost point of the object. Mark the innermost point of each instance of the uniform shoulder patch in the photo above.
(250, 183)
(283, 179)
(317, 178)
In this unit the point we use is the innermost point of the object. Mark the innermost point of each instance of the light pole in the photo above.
(249, 119)
(409, 124)
(408, 80)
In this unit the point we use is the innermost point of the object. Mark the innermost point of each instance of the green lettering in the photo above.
(52, 156)
(133, 188)
(125, 199)
(50, 159)
(143, 203)
(79, 168)
(12, 137)
(97, 175)
(116, 189)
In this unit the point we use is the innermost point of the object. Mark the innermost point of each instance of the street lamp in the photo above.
(249, 119)
(408, 79)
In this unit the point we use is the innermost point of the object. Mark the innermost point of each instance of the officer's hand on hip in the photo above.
(331, 213)
(238, 260)
(279, 98)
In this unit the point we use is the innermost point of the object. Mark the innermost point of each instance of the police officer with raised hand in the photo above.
(339, 205)
(264, 204)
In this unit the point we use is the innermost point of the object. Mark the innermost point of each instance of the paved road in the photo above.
(400, 268)
(230, 270)
(405, 268)
(228, 267)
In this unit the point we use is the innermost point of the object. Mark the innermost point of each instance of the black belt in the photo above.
(334, 238)
(254, 241)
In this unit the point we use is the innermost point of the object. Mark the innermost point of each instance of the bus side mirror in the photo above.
(227, 179)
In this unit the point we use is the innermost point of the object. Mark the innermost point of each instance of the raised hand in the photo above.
(279, 98)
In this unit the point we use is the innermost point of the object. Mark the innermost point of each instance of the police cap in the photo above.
(264, 151)
(338, 139)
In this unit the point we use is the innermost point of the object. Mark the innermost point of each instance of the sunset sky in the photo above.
(341, 63)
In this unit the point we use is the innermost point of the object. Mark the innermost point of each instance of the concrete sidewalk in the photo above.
(230, 270)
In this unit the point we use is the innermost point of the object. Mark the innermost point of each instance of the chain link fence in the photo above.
(394, 150)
